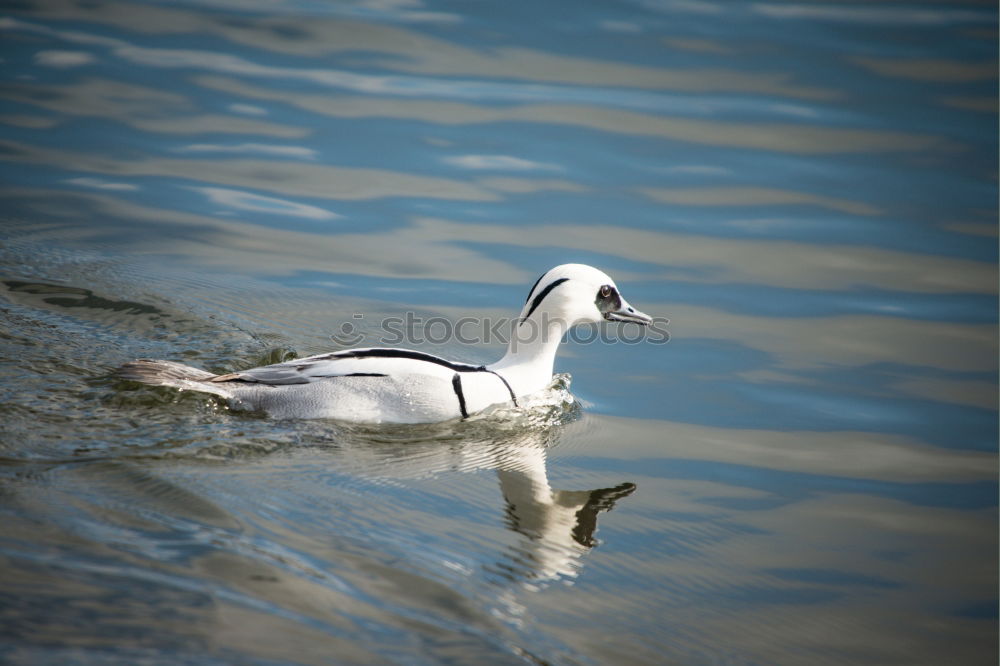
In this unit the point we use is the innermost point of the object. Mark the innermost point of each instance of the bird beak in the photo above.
(627, 313)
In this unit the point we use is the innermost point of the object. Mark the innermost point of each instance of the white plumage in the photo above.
(388, 385)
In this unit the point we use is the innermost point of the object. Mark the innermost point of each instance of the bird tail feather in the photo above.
(168, 373)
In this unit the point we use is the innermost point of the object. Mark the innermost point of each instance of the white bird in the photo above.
(389, 385)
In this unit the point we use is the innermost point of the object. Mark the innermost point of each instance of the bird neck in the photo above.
(531, 354)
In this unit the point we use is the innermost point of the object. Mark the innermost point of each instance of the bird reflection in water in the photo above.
(558, 526)
(555, 527)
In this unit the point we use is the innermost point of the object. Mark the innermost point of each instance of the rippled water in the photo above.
(806, 473)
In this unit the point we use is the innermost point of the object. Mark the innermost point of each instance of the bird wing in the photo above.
(371, 362)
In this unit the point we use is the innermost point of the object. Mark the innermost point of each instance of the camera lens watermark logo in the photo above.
(349, 334)
(412, 329)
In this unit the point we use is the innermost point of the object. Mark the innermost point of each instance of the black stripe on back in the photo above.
(430, 358)
(456, 383)
(540, 297)
(401, 353)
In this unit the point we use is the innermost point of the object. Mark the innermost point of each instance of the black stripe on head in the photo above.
(541, 296)
(456, 384)
(532, 290)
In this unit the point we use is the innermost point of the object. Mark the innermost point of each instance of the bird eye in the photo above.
(605, 291)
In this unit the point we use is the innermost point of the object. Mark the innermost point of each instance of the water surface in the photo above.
(805, 473)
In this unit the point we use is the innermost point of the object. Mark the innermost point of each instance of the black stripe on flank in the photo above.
(353, 374)
(456, 383)
(540, 297)
(509, 389)
(401, 353)
(292, 379)
(246, 379)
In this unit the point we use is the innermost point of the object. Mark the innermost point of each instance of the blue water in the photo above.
(806, 191)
